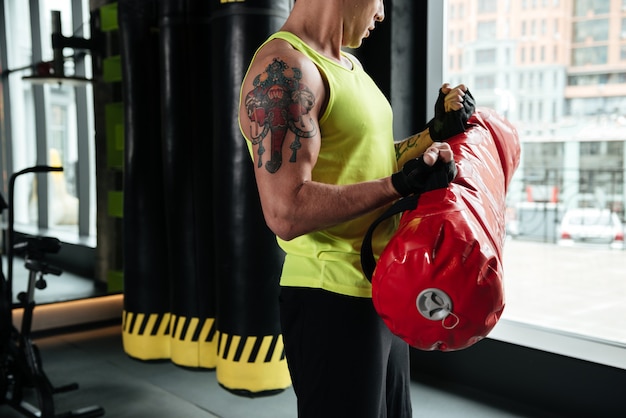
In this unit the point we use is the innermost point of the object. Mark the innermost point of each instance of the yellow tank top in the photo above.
(357, 145)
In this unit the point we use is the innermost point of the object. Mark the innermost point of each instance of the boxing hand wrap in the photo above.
(448, 124)
(417, 177)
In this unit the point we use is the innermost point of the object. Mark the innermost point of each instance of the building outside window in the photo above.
(573, 132)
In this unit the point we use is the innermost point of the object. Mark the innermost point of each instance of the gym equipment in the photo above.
(438, 283)
(21, 371)
(248, 261)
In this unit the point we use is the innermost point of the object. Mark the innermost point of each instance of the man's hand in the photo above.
(453, 109)
(435, 169)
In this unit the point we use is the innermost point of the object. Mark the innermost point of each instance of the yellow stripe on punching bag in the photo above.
(146, 336)
(194, 343)
(258, 363)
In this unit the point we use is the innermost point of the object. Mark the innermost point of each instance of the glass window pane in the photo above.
(570, 118)
(62, 151)
(45, 122)
(591, 7)
(23, 145)
(61, 123)
(591, 30)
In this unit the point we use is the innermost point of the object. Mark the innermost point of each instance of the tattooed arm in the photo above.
(283, 96)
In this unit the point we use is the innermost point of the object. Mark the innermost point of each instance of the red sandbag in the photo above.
(439, 282)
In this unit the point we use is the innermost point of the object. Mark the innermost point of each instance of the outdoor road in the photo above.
(579, 290)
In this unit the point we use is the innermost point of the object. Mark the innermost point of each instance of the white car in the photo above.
(591, 226)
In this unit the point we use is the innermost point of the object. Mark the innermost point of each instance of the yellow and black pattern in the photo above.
(189, 342)
(146, 336)
(194, 342)
(252, 364)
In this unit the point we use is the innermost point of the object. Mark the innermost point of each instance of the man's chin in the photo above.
(355, 44)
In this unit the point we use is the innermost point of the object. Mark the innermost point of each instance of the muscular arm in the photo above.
(282, 98)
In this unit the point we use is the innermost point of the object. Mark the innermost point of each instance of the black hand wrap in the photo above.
(417, 177)
(447, 124)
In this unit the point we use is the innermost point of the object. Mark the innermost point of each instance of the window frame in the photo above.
(82, 114)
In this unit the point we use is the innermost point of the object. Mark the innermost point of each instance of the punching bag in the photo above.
(438, 283)
(145, 325)
(248, 261)
(185, 89)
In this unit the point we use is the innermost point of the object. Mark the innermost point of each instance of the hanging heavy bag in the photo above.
(438, 283)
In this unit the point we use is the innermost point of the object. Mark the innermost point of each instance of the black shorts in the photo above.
(342, 358)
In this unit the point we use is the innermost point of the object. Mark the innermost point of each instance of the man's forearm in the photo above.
(412, 147)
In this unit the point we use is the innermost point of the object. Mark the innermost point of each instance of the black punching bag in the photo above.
(145, 325)
(187, 149)
(248, 261)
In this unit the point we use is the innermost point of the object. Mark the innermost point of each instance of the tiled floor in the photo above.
(124, 387)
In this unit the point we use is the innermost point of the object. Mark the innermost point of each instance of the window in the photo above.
(594, 55)
(487, 30)
(487, 6)
(596, 79)
(485, 56)
(591, 30)
(44, 124)
(556, 29)
(595, 7)
(573, 155)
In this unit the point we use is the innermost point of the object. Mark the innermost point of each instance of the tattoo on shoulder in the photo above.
(278, 104)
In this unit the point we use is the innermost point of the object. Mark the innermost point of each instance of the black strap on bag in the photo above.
(368, 263)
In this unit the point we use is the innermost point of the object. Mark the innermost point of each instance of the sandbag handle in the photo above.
(368, 263)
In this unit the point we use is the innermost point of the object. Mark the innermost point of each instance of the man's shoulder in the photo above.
(283, 50)
(280, 55)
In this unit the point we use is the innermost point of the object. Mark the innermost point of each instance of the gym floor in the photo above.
(94, 359)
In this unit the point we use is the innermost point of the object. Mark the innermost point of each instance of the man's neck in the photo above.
(320, 27)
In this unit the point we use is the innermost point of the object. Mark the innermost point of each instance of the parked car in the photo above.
(591, 226)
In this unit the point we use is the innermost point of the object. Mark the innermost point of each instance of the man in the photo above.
(326, 166)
